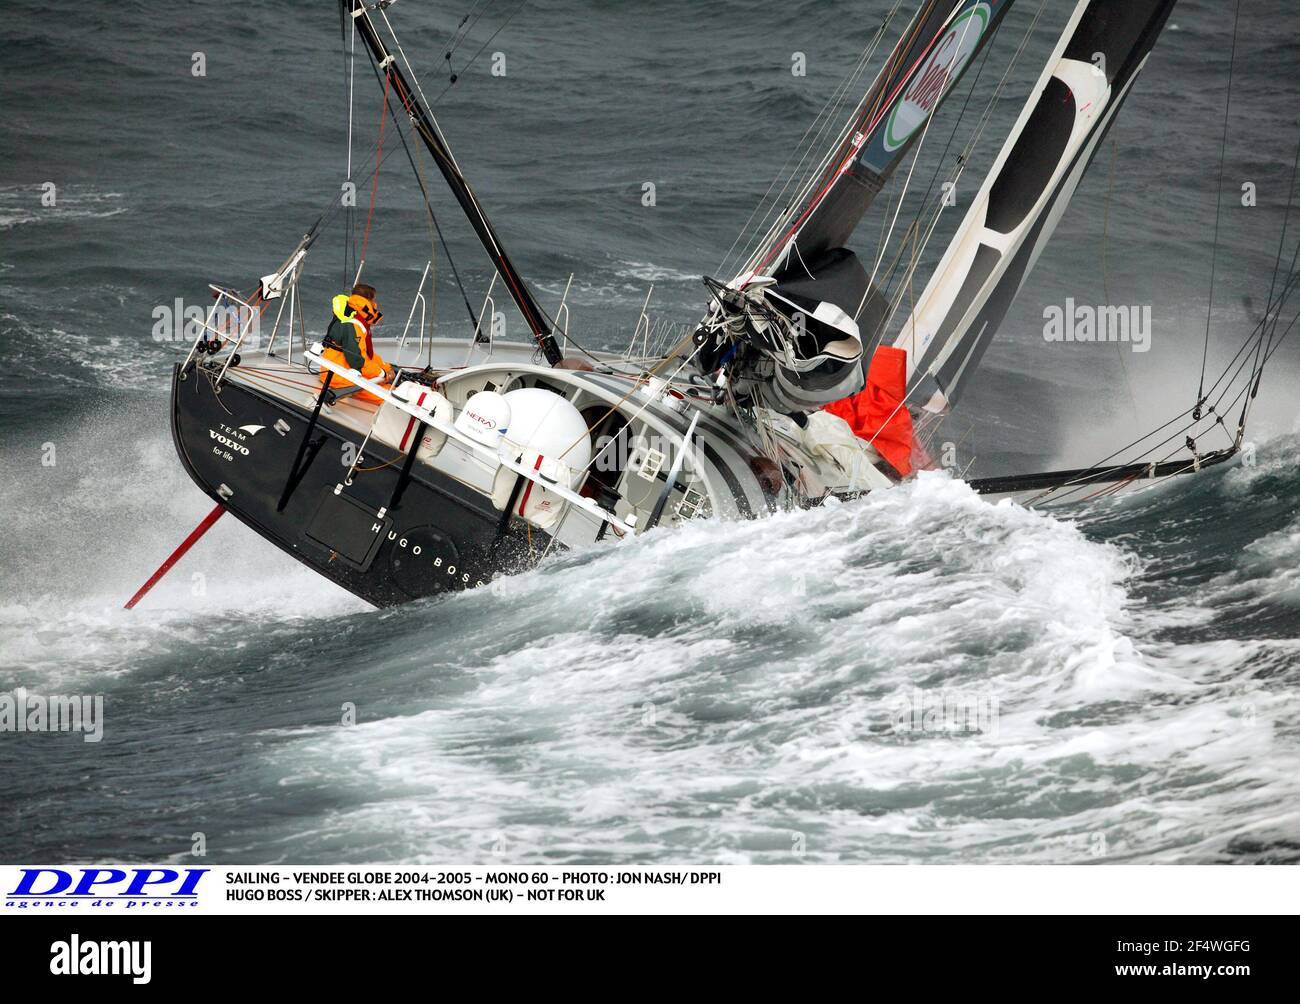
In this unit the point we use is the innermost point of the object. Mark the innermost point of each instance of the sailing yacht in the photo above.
(810, 375)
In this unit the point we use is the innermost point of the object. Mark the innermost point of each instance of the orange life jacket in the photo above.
(358, 347)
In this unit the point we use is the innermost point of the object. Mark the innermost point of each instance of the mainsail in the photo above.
(803, 298)
(1089, 75)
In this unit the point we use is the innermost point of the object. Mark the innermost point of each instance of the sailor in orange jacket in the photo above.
(354, 318)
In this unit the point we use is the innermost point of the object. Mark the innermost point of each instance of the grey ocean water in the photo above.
(722, 694)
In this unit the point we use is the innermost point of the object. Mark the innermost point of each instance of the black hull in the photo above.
(435, 536)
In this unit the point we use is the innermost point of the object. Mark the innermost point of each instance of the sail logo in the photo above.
(1082, 323)
(946, 62)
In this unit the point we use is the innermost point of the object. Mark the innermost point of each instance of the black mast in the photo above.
(433, 140)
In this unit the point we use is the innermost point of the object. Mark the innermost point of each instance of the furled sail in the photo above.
(803, 299)
(1089, 75)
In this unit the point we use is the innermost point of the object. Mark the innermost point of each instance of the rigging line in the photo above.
(351, 75)
(1281, 246)
(349, 71)
(407, 103)
(462, 31)
(802, 177)
(1187, 428)
(454, 38)
(1247, 386)
(823, 176)
(1261, 323)
(963, 161)
(1252, 383)
(781, 212)
(952, 135)
(402, 52)
(451, 156)
(784, 210)
(887, 236)
(1219, 416)
(1105, 272)
(1218, 209)
(986, 115)
(802, 148)
(428, 205)
(1081, 483)
(333, 205)
(1257, 375)
(826, 184)
(938, 167)
(1182, 431)
(1285, 332)
(805, 147)
(886, 233)
(1257, 331)
(420, 181)
(522, 4)
(981, 125)
(374, 188)
(416, 81)
(902, 195)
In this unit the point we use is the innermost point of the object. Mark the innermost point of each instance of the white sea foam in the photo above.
(21, 205)
(725, 692)
(714, 693)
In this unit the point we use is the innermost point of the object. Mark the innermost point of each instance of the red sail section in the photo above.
(877, 414)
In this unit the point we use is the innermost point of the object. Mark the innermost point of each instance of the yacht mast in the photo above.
(423, 122)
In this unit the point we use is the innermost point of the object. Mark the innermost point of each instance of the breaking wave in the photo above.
(776, 690)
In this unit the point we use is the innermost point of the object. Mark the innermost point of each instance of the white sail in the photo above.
(1089, 74)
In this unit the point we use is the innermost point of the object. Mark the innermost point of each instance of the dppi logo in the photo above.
(135, 888)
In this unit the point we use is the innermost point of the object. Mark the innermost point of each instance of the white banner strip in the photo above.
(195, 888)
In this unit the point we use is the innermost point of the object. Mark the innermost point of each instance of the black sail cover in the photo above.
(940, 42)
(1073, 106)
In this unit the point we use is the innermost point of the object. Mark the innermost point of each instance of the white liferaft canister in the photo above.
(547, 434)
(485, 418)
(396, 427)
